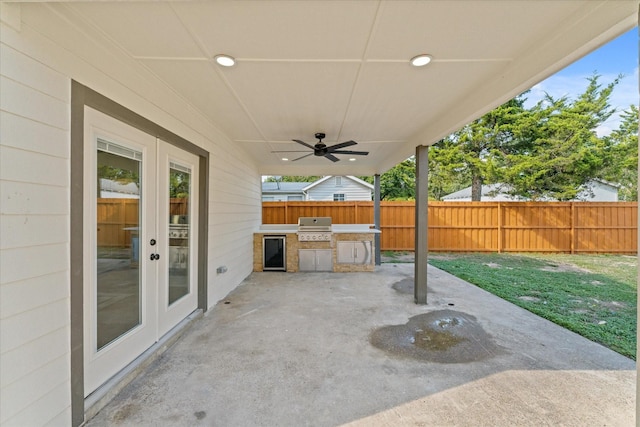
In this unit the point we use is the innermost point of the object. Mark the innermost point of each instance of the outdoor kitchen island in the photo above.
(314, 244)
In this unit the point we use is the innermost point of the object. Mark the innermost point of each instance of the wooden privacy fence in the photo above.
(570, 227)
(118, 219)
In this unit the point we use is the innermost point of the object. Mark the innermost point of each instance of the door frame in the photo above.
(82, 96)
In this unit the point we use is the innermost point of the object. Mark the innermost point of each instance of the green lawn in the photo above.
(592, 295)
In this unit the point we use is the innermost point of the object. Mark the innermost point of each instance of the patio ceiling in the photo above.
(342, 67)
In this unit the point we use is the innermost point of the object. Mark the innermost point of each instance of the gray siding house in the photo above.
(595, 191)
(326, 189)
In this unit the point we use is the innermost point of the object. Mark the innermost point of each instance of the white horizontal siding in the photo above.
(352, 190)
(20, 198)
(28, 135)
(34, 261)
(38, 63)
(46, 410)
(21, 361)
(41, 168)
(16, 398)
(28, 102)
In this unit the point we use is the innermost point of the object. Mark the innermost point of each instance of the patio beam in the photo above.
(421, 241)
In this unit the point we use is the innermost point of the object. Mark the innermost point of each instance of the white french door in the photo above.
(177, 231)
(140, 228)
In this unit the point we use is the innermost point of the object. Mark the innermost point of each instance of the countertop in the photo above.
(335, 228)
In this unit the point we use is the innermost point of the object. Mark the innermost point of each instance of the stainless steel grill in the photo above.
(178, 246)
(316, 229)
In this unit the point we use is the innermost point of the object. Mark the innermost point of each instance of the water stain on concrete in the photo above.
(123, 413)
(443, 336)
(406, 286)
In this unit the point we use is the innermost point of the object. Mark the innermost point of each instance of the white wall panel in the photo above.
(40, 56)
(24, 295)
(28, 166)
(24, 133)
(46, 410)
(18, 396)
(20, 68)
(19, 198)
(32, 230)
(34, 261)
(28, 102)
(21, 329)
(18, 363)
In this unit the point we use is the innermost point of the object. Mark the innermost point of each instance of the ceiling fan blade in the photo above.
(355, 153)
(291, 151)
(306, 155)
(335, 147)
(332, 157)
(304, 143)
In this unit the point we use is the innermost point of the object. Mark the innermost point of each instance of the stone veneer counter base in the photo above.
(340, 233)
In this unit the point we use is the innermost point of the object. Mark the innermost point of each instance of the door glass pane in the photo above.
(179, 236)
(118, 247)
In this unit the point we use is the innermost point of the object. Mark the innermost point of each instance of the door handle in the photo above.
(154, 257)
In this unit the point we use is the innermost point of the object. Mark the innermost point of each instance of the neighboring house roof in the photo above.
(353, 178)
(493, 191)
(497, 192)
(114, 189)
(284, 187)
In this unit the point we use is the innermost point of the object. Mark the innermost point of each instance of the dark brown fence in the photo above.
(570, 227)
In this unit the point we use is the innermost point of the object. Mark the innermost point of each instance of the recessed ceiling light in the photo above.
(225, 60)
(353, 159)
(284, 159)
(420, 60)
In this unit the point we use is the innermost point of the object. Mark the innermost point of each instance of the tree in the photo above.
(466, 154)
(179, 184)
(621, 161)
(399, 182)
(447, 169)
(292, 178)
(557, 150)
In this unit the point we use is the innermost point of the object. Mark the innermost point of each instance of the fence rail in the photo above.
(568, 227)
(118, 219)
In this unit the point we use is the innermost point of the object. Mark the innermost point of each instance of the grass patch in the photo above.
(592, 295)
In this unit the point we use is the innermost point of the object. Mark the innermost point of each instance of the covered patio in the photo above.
(135, 89)
(327, 349)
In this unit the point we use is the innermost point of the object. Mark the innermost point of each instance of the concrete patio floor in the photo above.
(295, 349)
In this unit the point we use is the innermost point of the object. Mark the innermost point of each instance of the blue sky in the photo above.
(619, 56)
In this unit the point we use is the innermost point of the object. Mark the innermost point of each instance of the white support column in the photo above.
(421, 241)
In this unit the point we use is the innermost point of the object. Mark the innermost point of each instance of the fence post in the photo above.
(572, 233)
(499, 227)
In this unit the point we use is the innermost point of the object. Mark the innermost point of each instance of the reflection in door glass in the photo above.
(179, 223)
(118, 248)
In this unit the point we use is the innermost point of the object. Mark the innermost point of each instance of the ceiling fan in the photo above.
(321, 149)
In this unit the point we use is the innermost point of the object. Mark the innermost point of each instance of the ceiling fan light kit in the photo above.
(320, 149)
